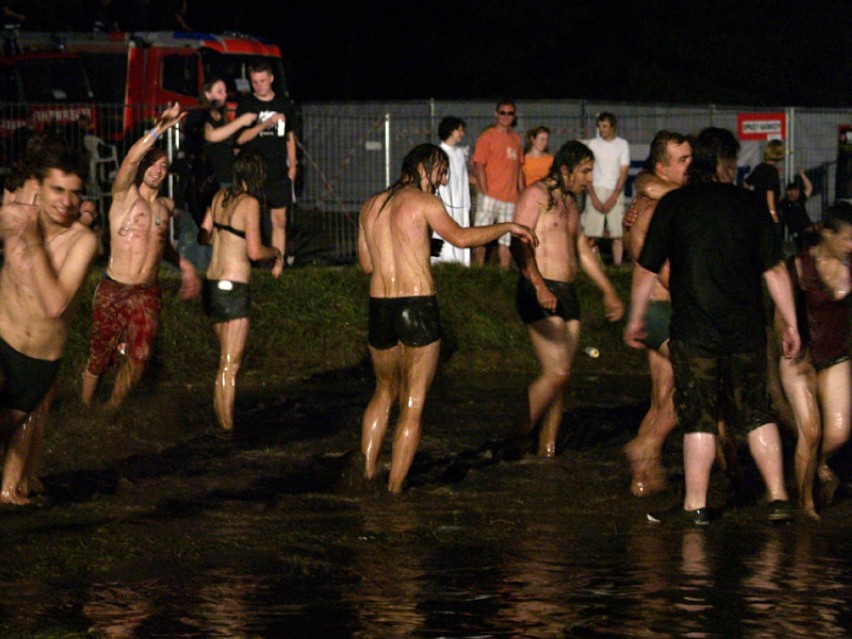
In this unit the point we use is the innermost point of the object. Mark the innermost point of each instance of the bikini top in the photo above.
(229, 229)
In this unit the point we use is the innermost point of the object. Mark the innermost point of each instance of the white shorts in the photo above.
(493, 211)
(594, 222)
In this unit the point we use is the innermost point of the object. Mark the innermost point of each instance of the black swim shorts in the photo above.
(224, 300)
(26, 380)
(414, 321)
(567, 307)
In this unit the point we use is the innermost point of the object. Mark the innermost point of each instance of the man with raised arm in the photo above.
(394, 231)
(47, 255)
(546, 298)
(126, 308)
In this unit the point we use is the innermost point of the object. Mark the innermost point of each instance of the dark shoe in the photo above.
(697, 517)
(780, 510)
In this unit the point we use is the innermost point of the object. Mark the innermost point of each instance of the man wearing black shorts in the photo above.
(720, 241)
(272, 136)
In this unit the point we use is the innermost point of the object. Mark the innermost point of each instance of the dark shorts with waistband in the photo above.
(278, 192)
(710, 386)
(657, 321)
(26, 380)
(567, 306)
(414, 321)
(224, 300)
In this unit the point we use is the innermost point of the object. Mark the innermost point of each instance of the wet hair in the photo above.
(774, 151)
(510, 103)
(609, 117)
(570, 155)
(660, 147)
(151, 157)
(711, 146)
(429, 156)
(248, 176)
(531, 135)
(837, 216)
(57, 156)
(447, 125)
(259, 65)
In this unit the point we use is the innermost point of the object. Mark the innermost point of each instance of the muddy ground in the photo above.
(155, 524)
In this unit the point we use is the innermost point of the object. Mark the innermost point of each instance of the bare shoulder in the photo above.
(167, 203)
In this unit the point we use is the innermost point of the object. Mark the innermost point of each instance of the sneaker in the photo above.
(697, 517)
(780, 510)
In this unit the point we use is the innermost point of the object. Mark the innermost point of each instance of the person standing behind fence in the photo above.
(605, 196)
(497, 163)
(537, 161)
(232, 226)
(272, 136)
(455, 194)
(765, 180)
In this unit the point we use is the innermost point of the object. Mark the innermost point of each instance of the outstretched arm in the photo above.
(808, 187)
(130, 164)
(250, 133)
(445, 226)
(219, 134)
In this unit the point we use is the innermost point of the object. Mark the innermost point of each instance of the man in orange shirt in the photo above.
(497, 164)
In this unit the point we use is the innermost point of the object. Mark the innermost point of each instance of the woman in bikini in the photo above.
(232, 226)
(818, 383)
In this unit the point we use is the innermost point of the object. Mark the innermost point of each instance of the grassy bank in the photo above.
(315, 319)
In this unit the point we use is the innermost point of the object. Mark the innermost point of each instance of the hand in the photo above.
(524, 233)
(169, 118)
(88, 212)
(247, 119)
(190, 285)
(635, 333)
(546, 299)
(791, 342)
(272, 120)
(613, 308)
(21, 220)
(630, 215)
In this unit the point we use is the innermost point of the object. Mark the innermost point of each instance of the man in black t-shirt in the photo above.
(720, 242)
(272, 136)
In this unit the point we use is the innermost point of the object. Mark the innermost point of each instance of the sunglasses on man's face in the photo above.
(506, 112)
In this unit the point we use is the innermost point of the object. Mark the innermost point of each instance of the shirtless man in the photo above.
(394, 234)
(127, 301)
(546, 298)
(671, 154)
(47, 256)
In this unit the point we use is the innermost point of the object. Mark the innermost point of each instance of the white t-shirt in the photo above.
(456, 195)
(609, 158)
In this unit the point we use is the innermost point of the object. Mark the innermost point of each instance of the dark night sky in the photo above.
(750, 52)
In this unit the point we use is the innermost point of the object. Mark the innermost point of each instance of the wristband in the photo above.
(153, 134)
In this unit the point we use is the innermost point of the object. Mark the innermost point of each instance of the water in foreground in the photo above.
(272, 534)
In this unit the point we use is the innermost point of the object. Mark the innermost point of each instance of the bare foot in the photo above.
(13, 497)
(648, 476)
(828, 484)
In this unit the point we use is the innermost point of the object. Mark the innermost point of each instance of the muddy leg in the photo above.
(800, 385)
(232, 338)
(418, 365)
(377, 414)
(17, 449)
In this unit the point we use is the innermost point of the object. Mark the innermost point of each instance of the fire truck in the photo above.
(133, 75)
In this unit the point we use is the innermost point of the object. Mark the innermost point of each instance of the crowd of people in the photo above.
(709, 281)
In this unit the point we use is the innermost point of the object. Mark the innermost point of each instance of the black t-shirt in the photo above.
(218, 156)
(720, 239)
(271, 143)
(765, 178)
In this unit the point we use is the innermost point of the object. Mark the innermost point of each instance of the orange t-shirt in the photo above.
(502, 155)
(536, 168)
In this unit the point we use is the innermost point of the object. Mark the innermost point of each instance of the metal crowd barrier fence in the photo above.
(349, 151)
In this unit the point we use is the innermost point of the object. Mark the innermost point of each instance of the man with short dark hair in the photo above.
(497, 162)
(272, 135)
(455, 194)
(126, 308)
(47, 256)
(605, 195)
(720, 243)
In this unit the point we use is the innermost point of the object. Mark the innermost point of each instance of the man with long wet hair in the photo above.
(720, 243)
(394, 231)
(126, 308)
(546, 297)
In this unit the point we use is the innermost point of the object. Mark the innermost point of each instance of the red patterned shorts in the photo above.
(123, 313)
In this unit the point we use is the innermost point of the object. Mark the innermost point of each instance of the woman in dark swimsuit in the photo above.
(818, 384)
(232, 226)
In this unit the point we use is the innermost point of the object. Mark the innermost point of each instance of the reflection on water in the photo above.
(403, 572)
